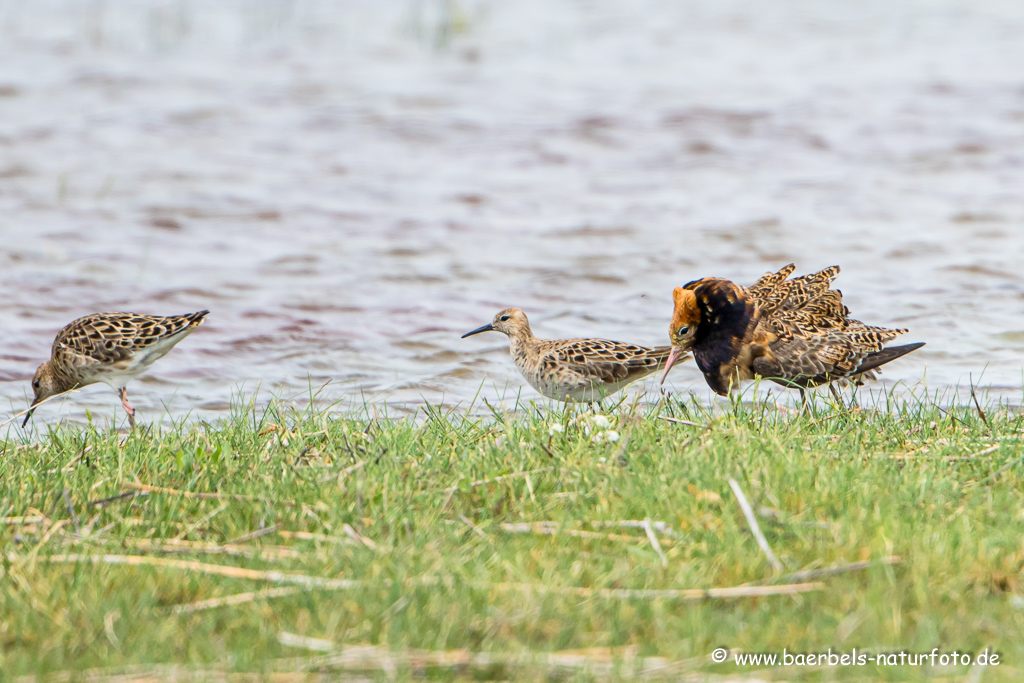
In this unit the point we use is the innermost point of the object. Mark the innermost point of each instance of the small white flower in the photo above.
(601, 422)
(555, 428)
(609, 435)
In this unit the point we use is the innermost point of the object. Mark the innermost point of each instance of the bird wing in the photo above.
(774, 294)
(806, 288)
(608, 361)
(114, 337)
(767, 292)
(821, 315)
(822, 356)
(812, 359)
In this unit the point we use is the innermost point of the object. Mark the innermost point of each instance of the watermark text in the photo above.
(858, 657)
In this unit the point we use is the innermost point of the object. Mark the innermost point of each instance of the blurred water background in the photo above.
(348, 186)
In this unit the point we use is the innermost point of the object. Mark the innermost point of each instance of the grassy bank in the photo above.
(516, 546)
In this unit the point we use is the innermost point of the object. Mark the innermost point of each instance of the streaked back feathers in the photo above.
(110, 337)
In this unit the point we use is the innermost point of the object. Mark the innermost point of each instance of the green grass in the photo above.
(402, 509)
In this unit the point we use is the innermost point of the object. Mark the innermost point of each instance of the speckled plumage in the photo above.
(112, 348)
(795, 332)
(574, 370)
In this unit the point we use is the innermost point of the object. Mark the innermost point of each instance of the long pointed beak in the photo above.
(673, 356)
(28, 416)
(483, 328)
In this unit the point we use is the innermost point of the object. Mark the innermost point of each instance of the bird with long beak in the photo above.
(796, 332)
(112, 348)
(573, 370)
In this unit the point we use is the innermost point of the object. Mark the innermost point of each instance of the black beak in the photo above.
(484, 328)
(28, 416)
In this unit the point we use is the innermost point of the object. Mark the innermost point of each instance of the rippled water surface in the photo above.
(349, 186)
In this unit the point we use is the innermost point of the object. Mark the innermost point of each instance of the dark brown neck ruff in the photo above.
(727, 321)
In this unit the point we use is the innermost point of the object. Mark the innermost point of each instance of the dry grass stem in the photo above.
(236, 599)
(204, 568)
(685, 594)
(482, 482)
(755, 528)
(201, 521)
(311, 536)
(676, 420)
(654, 543)
(202, 496)
(547, 529)
(28, 519)
(176, 545)
(356, 536)
(253, 535)
(808, 574)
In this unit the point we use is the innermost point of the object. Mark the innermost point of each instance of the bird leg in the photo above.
(835, 394)
(805, 407)
(123, 393)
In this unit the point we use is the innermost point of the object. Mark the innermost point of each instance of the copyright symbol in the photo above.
(719, 655)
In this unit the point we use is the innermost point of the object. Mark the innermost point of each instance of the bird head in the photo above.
(44, 385)
(511, 322)
(683, 328)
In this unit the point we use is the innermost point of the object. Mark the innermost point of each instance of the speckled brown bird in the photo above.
(573, 370)
(796, 332)
(112, 348)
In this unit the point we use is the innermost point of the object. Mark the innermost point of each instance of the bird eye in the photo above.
(503, 318)
(35, 385)
(682, 330)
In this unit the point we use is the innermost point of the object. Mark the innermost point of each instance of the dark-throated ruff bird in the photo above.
(573, 370)
(112, 348)
(796, 332)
